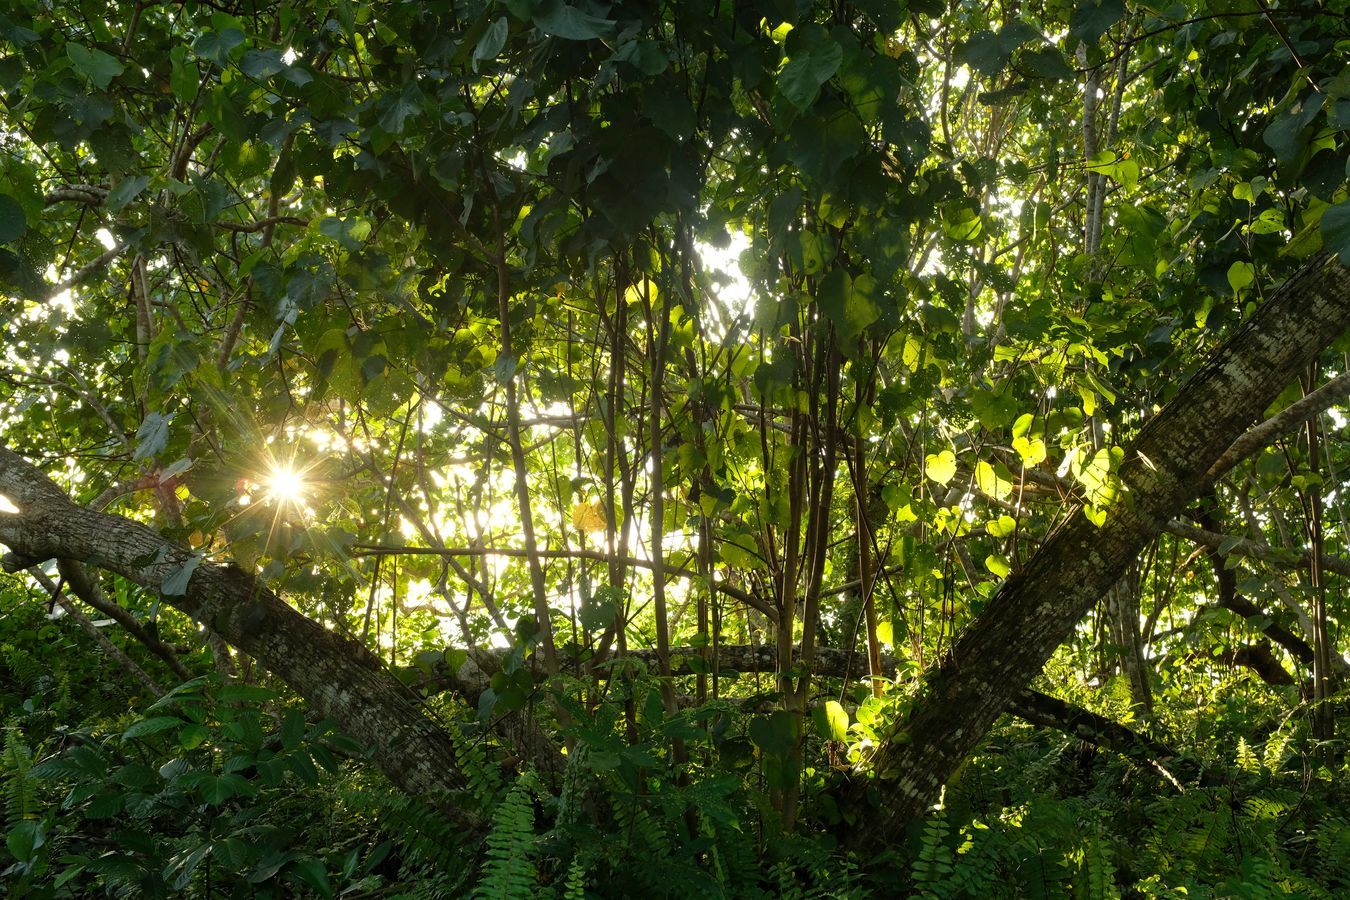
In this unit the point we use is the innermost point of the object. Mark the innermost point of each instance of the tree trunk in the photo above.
(340, 678)
(1122, 617)
(1037, 608)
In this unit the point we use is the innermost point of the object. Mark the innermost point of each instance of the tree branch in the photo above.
(340, 678)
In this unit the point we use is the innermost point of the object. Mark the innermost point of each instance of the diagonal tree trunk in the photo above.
(1037, 607)
(340, 678)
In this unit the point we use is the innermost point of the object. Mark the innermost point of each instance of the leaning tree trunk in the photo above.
(340, 678)
(1036, 608)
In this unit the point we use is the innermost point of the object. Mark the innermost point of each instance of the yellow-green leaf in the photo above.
(988, 481)
(1001, 527)
(941, 467)
(1031, 450)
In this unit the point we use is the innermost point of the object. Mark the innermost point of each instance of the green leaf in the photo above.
(801, 78)
(1335, 228)
(830, 721)
(311, 872)
(152, 725)
(397, 111)
(990, 482)
(153, 435)
(184, 78)
(216, 45)
(941, 467)
(822, 142)
(127, 189)
(1240, 275)
(960, 222)
(998, 565)
(492, 41)
(175, 584)
(1001, 527)
(849, 305)
(559, 19)
(1031, 450)
(1286, 134)
(100, 68)
(246, 693)
(192, 736)
(261, 64)
(216, 789)
(1093, 19)
(24, 838)
(774, 733)
(13, 222)
(988, 53)
(1047, 62)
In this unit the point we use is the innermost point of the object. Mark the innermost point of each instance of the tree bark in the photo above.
(340, 678)
(1036, 608)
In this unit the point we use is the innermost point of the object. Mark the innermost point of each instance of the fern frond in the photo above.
(20, 785)
(509, 872)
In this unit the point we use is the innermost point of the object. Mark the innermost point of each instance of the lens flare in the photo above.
(286, 485)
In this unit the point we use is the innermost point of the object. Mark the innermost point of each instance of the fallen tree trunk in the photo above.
(1036, 608)
(339, 678)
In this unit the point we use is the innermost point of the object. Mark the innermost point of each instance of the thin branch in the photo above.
(262, 224)
(86, 271)
(1287, 419)
(58, 596)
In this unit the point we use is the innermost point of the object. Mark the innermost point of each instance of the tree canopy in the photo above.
(823, 449)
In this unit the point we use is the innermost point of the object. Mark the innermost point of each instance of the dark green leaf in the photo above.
(311, 872)
(13, 223)
(127, 189)
(261, 64)
(492, 41)
(774, 734)
(800, 80)
(1336, 230)
(1047, 62)
(216, 45)
(24, 838)
(101, 68)
(246, 693)
(1286, 134)
(398, 108)
(563, 20)
(1093, 19)
(153, 725)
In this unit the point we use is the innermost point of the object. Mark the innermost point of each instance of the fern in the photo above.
(1332, 839)
(1098, 871)
(975, 868)
(575, 888)
(483, 775)
(645, 838)
(576, 780)
(932, 868)
(1246, 757)
(432, 849)
(16, 764)
(510, 872)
